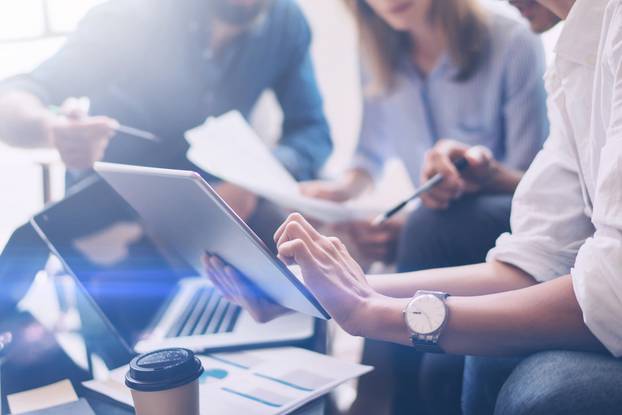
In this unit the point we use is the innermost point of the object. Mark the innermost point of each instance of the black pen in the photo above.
(461, 164)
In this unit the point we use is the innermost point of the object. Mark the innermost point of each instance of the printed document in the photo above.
(259, 382)
(229, 148)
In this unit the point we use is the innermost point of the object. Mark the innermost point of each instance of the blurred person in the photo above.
(550, 290)
(451, 74)
(165, 66)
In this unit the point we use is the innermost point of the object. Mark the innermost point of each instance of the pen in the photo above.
(461, 164)
(123, 129)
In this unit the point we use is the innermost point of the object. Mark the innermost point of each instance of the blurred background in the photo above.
(32, 30)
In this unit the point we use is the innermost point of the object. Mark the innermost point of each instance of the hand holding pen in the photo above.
(450, 170)
(80, 139)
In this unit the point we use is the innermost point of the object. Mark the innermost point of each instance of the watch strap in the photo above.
(426, 346)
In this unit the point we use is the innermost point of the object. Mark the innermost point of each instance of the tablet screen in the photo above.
(106, 247)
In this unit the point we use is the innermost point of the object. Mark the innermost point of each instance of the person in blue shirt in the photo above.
(165, 66)
(450, 74)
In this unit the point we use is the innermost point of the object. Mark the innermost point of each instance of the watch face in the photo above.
(425, 314)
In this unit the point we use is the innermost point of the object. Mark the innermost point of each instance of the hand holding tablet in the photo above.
(239, 290)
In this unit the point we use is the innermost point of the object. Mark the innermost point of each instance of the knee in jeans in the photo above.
(541, 384)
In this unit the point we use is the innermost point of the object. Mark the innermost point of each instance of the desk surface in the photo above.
(37, 359)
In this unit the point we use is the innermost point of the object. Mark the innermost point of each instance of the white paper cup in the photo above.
(165, 382)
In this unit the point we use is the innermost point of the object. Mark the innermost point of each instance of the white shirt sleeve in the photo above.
(597, 275)
(548, 220)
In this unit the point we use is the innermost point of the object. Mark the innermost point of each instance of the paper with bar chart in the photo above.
(258, 382)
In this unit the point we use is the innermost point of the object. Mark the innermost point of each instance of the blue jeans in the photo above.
(551, 383)
(460, 235)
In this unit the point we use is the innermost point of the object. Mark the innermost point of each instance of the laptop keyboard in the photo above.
(206, 313)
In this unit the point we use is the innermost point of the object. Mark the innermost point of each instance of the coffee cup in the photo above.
(165, 382)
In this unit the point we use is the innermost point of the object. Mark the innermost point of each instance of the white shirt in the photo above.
(567, 211)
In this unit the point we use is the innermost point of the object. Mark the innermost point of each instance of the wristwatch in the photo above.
(425, 316)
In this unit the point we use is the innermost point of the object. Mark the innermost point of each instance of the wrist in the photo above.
(501, 179)
(382, 318)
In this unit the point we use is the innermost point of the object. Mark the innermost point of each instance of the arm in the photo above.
(470, 280)
(24, 121)
(90, 57)
(81, 140)
(541, 317)
(305, 143)
(524, 319)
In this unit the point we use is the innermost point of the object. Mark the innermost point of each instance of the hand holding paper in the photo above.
(228, 148)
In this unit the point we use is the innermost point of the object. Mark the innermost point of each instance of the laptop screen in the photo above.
(106, 247)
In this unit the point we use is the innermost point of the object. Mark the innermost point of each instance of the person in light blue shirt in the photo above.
(477, 82)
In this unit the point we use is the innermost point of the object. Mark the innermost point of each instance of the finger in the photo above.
(452, 149)
(299, 252)
(444, 193)
(478, 156)
(220, 280)
(295, 230)
(297, 218)
(433, 203)
(72, 108)
(338, 244)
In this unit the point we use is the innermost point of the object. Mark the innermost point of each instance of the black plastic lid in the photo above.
(163, 369)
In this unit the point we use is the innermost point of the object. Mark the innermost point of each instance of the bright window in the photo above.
(30, 32)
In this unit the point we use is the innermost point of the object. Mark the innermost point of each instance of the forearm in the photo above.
(480, 279)
(24, 121)
(541, 317)
(502, 179)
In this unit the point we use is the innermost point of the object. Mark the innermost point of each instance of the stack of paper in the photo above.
(228, 148)
(260, 382)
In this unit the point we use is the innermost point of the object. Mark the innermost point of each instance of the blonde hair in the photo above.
(463, 21)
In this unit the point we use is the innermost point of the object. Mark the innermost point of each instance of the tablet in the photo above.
(189, 217)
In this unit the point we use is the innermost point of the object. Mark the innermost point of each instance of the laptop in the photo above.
(144, 288)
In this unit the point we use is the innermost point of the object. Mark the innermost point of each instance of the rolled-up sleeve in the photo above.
(548, 221)
(597, 275)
